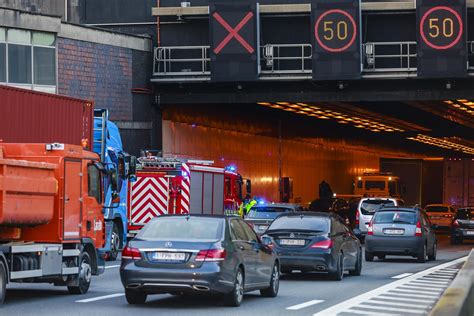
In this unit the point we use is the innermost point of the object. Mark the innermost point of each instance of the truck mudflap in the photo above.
(97, 256)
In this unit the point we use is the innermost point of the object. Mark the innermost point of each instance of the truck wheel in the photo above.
(114, 243)
(85, 276)
(135, 297)
(3, 282)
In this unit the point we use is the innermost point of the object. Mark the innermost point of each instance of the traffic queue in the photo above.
(72, 200)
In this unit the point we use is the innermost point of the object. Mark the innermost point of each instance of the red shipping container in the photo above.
(28, 116)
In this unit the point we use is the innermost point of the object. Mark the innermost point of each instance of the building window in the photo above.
(3, 55)
(28, 57)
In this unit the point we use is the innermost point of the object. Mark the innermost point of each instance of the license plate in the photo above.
(470, 232)
(168, 256)
(262, 227)
(393, 231)
(292, 242)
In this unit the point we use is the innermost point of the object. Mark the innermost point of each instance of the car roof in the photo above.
(308, 214)
(396, 208)
(445, 205)
(287, 205)
(196, 215)
(374, 198)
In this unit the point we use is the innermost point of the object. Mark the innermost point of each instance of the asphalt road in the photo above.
(414, 290)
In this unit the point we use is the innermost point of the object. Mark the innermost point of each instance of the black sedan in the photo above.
(462, 227)
(315, 242)
(199, 255)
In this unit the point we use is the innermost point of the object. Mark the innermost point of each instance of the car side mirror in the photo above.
(357, 232)
(266, 240)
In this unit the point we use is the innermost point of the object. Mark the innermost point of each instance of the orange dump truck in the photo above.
(51, 220)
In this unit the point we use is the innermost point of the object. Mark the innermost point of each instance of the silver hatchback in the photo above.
(401, 231)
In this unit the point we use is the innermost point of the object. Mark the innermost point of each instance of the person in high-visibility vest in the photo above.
(246, 205)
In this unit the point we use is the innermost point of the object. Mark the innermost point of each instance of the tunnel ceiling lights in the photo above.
(320, 112)
(442, 143)
(462, 105)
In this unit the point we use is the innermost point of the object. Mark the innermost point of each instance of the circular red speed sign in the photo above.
(443, 25)
(338, 30)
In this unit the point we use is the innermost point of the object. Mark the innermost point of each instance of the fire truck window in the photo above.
(93, 176)
(227, 187)
(238, 188)
(379, 185)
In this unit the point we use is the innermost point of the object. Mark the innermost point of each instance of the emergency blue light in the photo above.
(261, 202)
(184, 173)
(231, 168)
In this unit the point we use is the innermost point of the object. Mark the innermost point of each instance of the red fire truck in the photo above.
(181, 186)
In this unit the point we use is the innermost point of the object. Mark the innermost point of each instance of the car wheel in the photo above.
(135, 297)
(339, 273)
(381, 257)
(235, 297)
(421, 258)
(358, 267)
(85, 276)
(114, 244)
(272, 290)
(432, 256)
(3, 282)
(369, 256)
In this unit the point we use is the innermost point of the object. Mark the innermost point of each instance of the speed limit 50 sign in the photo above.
(336, 39)
(441, 34)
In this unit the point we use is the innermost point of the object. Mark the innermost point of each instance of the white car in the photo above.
(366, 210)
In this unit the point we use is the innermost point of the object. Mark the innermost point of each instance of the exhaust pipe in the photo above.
(201, 288)
(134, 286)
(320, 268)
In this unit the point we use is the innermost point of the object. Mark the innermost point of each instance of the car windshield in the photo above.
(390, 217)
(370, 206)
(266, 212)
(465, 213)
(437, 209)
(379, 185)
(183, 228)
(311, 223)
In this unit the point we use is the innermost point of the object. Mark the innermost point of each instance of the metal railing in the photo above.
(389, 57)
(286, 58)
(181, 61)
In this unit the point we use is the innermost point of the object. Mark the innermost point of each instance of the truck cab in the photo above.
(377, 184)
(108, 144)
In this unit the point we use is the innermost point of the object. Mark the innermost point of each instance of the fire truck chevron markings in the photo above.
(150, 198)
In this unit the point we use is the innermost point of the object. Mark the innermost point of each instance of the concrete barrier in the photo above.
(458, 299)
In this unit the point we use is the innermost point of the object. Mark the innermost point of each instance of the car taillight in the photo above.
(323, 244)
(211, 255)
(370, 229)
(131, 253)
(357, 218)
(456, 223)
(418, 229)
(448, 215)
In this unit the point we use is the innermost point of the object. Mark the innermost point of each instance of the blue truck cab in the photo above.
(108, 144)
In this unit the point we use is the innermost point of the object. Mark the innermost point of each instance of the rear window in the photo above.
(464, 213)
(311, 223)
(389, 217)
(266, 212)
(182, 228)
(437, 209)
(370, 206)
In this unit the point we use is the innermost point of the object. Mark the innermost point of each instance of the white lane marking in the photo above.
(424, 286)
(353, 311)
(401, 276)
(390, 309)
(428, 294)
(93, 299)
(114, 266)
(404, 304)
(303, 305)
(431, 281)
(441, 277)
(436, 280)
(418, 289)
(335, 309)
(428, 284)
(406, 299)
(411, 295)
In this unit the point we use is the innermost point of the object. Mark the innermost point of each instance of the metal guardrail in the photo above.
(181, 61)
(291, 61)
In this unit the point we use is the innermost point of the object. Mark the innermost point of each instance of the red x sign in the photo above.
(233, 33)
